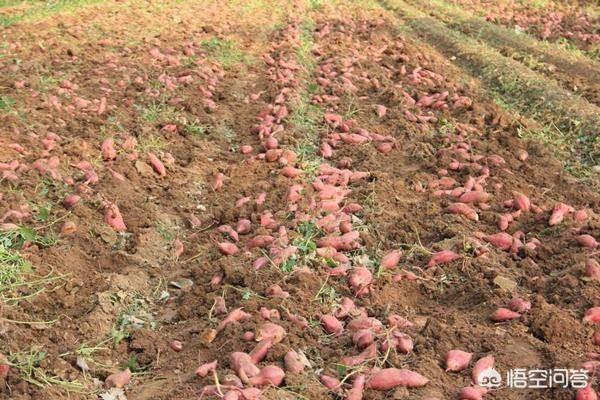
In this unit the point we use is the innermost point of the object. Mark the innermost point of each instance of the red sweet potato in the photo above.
(442, 257)
(463, 209)
(457, 360)
(592, 316)
(391, 259)
(113, 217)
(243, 366)
(293, 362)
(270, 331)
(269, 375)
(472, 393)
(558, 213)
(389, 378)
(504, 314)
(108, 150)
(481, 365)
(206, 368)
(331, 324)
(227, 248)
(156, 164)
(259, 352)
(592, 269)
(118, 379)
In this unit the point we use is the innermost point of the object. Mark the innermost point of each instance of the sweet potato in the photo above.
(156, 164)
(293, 362)
(241, 202)
(260, 199)
(246, 149)
(581, 216)
(68, 228)
(330, 382)
(475, 197)
(297, 320)
(587, 393)
(217, 181)
(457, 360)
(504, 314)
(331, 324)
(108, 150)
(291, 172)
(519, 305)
(587, 241)
(243, 226)
(259, 352)
(345, 307)
(228, 230)
(522, 202)
(481, 365)
(368, 353)
(363, 338)
(359, 280)
(463, 209)
(227, 248)
(365, 323)
(269, 375)
(358, 386)
(270, 331)
(501, 240)
(592, 316)
(397, 321)
(119, 177)
(235, 316)
(404, 343)
(345, 226)
(558, 213)
(596, 338)
(113, 217)
(260, 241)
(472, 393)
(275, 291)
(592, 269)
(118, 379)
(389, 378)
(271, 143)
(504, 221)
(219, 306)
(442, 257)
(391, 259)
(232, 395)
(260, 262)
(243, 366)
(206, 368)
(347, 242)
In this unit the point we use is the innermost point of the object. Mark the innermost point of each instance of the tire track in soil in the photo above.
(576, 74)
(519, 87)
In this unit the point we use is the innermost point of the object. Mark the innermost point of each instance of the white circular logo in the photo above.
(489, 378)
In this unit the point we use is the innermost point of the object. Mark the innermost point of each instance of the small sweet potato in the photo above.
(389, 378)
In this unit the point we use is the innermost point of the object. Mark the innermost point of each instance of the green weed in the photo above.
(225, 52)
